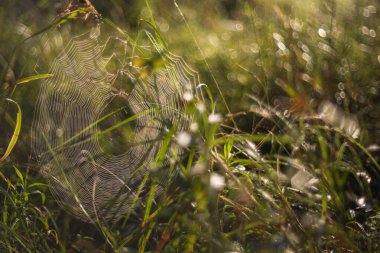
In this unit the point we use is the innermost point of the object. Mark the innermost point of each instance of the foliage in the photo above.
(285, 156)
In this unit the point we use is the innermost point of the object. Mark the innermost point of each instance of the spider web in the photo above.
(89, 103)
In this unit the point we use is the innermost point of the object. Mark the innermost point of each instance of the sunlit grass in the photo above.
(281, 154)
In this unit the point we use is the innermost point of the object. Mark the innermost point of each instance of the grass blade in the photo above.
(72, 15)
(16, 132)
(33, 78)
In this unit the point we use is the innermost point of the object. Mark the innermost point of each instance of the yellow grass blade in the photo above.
(16, 132)
(32, 78)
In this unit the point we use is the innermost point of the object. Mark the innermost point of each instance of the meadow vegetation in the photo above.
(285, 155)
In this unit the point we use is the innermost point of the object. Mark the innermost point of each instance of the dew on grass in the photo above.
(194, 127)
(365, 176)
(239, 27)
(303, 180)
(322, 32)
(305, 48)
(251, 150)
(278, 37)
(217, 182)
(239, 168)
(200, 107)
(59, 132)
(352, 213)
(198, 168)
(335, 116)
(325, 47)
(281, 45)
(361, 202)
(188, 96)
(307, 78)
(183, 139)
(373, 148)
(296, 24)
(307, 57)
(214, 118)
(365, 30)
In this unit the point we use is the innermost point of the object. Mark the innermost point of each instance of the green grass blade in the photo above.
(19, 174)
(63, 20)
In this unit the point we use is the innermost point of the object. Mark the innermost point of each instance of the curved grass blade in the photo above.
(29, 79)
(32, 78)
(16, 132)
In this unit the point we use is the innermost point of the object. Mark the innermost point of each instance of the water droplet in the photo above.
(296, 25)
(325, 47)
(361, 202)
(200, 107)
(188, 96)
(198, 168)
(239, 27)
(59, 132)
(213, 39)
(278, 37)
(373, 148)
(335, 116)
(306, 78)
(265, 180)
(255, 48)
(217, 181)
(322, 32)
(365, 30)
(364, 175)
(183, 139)
(372, 33)
(194, 127)
(303, 180)
(366, 12)
(286, 114)
(239, 168)
(306, 57)
(371, 9)
(281, 45)
(352, 213)
(214, 118)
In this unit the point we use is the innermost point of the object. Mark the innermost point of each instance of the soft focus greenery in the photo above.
(297, 85)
